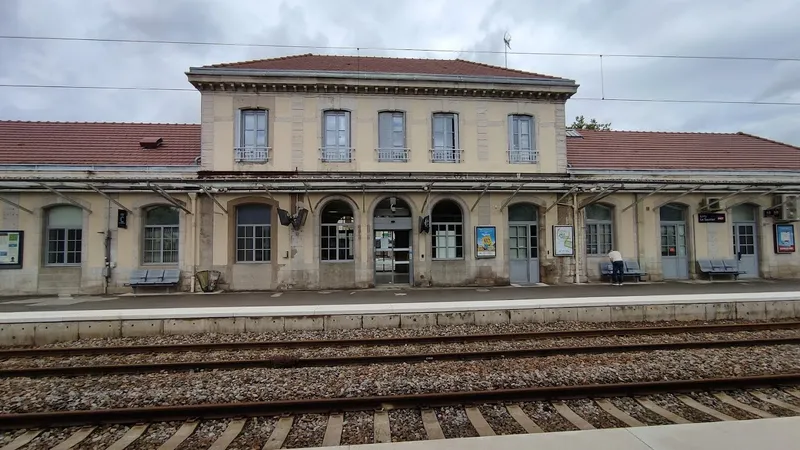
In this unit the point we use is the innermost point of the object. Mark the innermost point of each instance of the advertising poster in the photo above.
(564, 240)
(486, 242)
(784, 238)
(10, 249)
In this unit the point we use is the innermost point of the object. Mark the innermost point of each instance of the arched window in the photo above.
(253, 233)
(599, 231)
(447, 230)
(161, 231)
(337, 234)
(64, 235)
(672, 212)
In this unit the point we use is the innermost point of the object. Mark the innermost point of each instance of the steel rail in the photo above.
(52, 419)
(392, 341)
(293, 362)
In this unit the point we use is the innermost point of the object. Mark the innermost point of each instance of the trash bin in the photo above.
(207, 279)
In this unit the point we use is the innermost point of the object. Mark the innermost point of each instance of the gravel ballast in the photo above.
(593, 414)
(307, 431)
(50, 438)
(358, 428)
(672, 404)
(155, 435)
(455, 423)
(228, 355)
(365, 333)
(546, 416)
(255, 433)
(406, 425)
(204, 435)
(747, 399)
(42, 394)
(498, 417)
(102, 437)
(639, 412)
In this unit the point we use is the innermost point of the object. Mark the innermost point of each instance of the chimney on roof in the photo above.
(151, 142)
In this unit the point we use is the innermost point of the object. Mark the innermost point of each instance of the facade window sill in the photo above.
(523, 157)
(447, 155)
(336, 154)
(393, 154)
(252, 155)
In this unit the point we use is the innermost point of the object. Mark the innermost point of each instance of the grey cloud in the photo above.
(594, 26)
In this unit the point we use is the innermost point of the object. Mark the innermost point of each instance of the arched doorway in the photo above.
(392, 242)
(745, 239)
(523, 243)
(674, 252)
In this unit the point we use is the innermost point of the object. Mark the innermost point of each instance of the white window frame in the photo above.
(253, 152)
(64, 236)
(342, 234)
(396, 150)
(332, 149)
(242, 237)
(599, 234)
(518, 153)
(444, 153)
(445, 236)
(160, 232)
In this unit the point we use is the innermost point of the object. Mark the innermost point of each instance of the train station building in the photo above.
(334, 172)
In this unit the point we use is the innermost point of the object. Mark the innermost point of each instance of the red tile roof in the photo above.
(374, 64)
(631, 150)
(82, 143)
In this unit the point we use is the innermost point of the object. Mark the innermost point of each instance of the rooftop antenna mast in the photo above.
(507, 42)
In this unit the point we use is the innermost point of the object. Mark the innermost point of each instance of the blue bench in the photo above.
(632, 269)
(154, 278)
(712, 267)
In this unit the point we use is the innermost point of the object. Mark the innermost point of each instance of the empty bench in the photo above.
(631, 269)
(712, 267)
(154, 278)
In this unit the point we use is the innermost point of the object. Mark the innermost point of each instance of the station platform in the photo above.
(762, 434)
(53, 319)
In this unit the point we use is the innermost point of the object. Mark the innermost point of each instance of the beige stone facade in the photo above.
(409, 219)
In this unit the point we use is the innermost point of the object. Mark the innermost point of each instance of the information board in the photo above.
(11, 249)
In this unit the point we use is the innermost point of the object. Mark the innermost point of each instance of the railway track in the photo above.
(290, 362)
(622, 404)
(392, 341)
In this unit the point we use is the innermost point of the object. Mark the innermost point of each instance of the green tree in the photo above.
(581, 124)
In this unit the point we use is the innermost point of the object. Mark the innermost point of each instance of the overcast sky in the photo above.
(685, 27)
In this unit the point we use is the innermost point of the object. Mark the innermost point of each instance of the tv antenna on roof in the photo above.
(507, 42)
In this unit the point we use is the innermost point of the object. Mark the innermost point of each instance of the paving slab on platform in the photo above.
(379, 296)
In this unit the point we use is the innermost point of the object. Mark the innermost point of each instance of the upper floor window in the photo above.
(521, 142)
(161, 235)
(599, 232)
(392, 136)
(336, 137)
(252, 139)
(253, 233)
(445, 138)
(64, 235)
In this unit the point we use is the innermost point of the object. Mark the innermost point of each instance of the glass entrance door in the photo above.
(392, 257)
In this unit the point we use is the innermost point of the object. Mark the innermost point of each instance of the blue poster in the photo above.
(486, 242)
(784, 238)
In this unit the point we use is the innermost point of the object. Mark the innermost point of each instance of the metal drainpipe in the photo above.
(636, 229)
(575, 243)
(107, 239)
(195, 239)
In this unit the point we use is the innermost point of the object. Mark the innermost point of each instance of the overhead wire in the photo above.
(396, 49)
